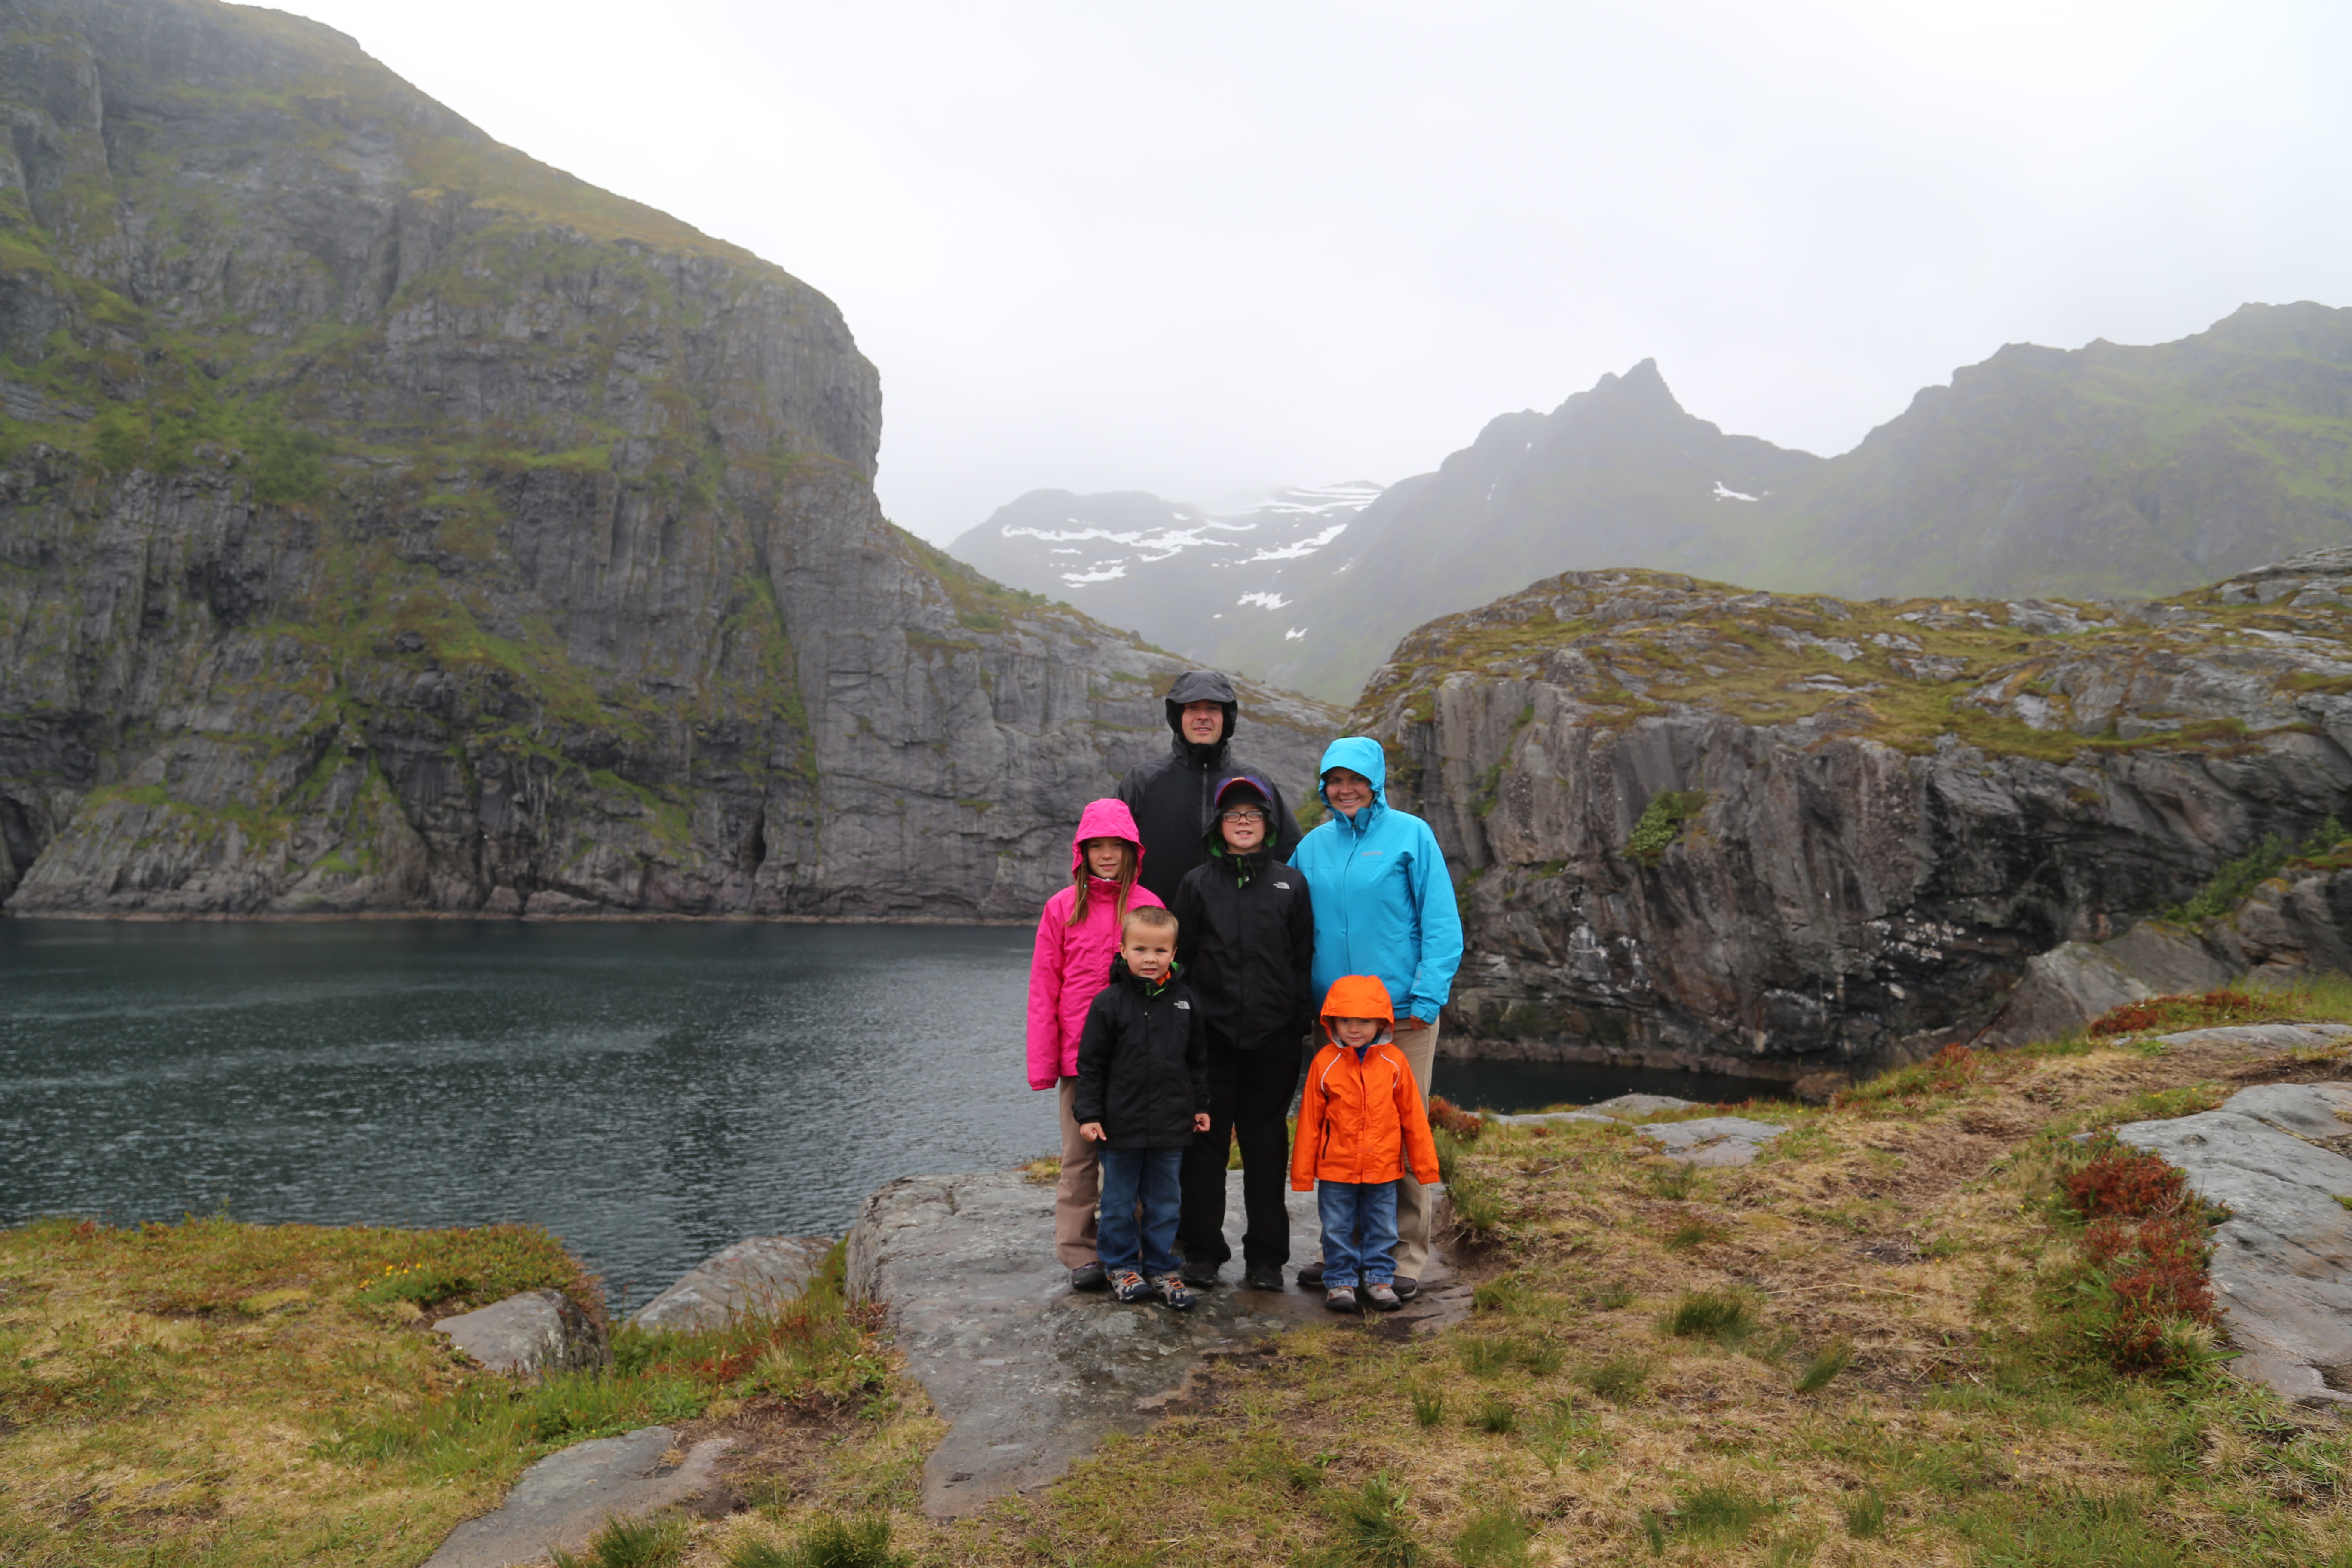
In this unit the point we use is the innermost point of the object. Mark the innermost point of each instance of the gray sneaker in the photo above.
(1089, 1276)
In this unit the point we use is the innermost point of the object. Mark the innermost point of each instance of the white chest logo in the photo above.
(1186, 1005)
(1284, 886)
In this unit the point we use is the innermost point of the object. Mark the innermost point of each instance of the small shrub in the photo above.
(1612, 1297)
(2118, 1180)
(1825, 1365)
(1865, 1515)
(1689, 1234)
(1661, 823)
(1454, 1122)
(2165, 1015)
(1496, 1414)
(1727, 1317)
(1719, 1513)
(1429, 1405)
(1674, 1182)
(1619, 1379)
(830, 1541)
(1374, 1526)
(1495, 1538)
(630, 1543)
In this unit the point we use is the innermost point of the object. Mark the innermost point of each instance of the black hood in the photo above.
(1203, 686)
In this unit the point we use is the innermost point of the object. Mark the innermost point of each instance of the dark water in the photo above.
(649, 1093)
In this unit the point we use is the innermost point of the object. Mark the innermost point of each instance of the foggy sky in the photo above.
(1202, 249)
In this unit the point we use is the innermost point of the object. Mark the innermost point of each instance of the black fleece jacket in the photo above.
(1173, 799)
(1246, 939)
(1144, 1062)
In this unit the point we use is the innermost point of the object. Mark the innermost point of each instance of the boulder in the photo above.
(1712, 1139)
(1625, 1107)
(1029, 1374)
(529, 1334)
(754, 1276)
(2282, 1261)
(563, 1501)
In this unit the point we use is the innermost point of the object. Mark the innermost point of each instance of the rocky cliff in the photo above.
(388, 521)
(1771, 833)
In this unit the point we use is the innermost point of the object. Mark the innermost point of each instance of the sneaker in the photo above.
(1381, 1296)
(1262, 1277)
(1169, 1287)
(1130, 1286)
(1089, 1276)
(1341, 1299)
(1311, 1275)
(1407, 1287)
(1200, 1276)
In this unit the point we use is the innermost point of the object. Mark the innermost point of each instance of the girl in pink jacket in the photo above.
(1077, 937)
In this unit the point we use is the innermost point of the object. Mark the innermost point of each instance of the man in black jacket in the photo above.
(1246, 940)
(1173, 798)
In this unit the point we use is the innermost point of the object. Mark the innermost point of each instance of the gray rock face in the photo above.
(756, 1275)
(1031, 1374)
(1877, 816)
(398, 523)
(563, 1501)
(1713, 1140)
(2283, 1262)
(528, 1333)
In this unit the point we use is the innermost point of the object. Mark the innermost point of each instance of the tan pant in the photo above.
(1080, 1188)
(1419, 1048)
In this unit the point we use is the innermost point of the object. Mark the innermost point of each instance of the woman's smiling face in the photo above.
(1347, 791)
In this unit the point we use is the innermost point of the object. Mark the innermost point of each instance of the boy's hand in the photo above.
(1200, 1122)
(1092, 1131)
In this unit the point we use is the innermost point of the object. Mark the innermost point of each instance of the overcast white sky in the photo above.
(1201, 249)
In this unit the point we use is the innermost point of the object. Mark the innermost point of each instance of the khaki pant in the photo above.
(1076, 1195)
(1419, 1048)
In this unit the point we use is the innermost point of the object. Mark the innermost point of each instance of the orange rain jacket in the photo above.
(1360, 1120)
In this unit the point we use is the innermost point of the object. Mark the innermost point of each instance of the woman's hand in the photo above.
(1200, 1122)
(1092, 1133)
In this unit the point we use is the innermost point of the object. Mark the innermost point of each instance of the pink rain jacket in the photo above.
(1073, 963)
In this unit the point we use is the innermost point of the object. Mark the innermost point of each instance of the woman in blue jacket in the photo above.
(1384, 905)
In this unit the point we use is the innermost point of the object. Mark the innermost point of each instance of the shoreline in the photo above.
(618, 916)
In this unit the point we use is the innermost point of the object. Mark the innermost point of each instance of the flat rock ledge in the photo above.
(529, 1334)
(563, 1501)
(2283, 1262)
(756, 1274)
(1030, 1374)
(1708, 1141)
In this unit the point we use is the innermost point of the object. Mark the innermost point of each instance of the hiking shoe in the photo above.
(1341, 1299)
(1130, 1286)
(1200, 1276)
(1262, 1277)
(1171, 1288)
(1311, 1275)
(1089, 1276)
(1407, 1287)
(1381, 1296)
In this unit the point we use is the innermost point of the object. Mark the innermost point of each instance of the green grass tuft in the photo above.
(1496, 1538)
(1727, 1317)
(1825, 1365)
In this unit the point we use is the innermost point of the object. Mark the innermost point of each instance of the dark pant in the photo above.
(1249, 1096)
(1128, 1175)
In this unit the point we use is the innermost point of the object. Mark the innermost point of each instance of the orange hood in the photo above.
(1358, 996)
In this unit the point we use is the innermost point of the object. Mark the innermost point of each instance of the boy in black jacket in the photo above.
(1246, 940)
(1143, 1093)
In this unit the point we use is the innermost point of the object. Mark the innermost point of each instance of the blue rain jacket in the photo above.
(1383, 899)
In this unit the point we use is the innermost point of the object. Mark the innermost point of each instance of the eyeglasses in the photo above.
(1242, 814)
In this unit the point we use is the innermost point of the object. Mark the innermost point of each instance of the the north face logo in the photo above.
(1284, 886)
(1186, 1005)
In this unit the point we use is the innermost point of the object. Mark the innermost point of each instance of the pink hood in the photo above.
(1072, 964)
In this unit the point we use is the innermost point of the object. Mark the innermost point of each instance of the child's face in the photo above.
(1356, 1031)
(1149, 951)
(1244, 826)
(1106, 857)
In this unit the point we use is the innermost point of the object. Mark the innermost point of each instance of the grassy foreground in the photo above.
(1894, 1339)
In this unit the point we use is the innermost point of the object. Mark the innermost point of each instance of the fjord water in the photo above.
(648, 1091)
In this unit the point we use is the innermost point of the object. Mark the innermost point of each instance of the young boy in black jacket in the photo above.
(1142, 1094)
(1246, 940)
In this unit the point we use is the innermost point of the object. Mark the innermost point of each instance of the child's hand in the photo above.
(1092, 1131)
(1200, 1122)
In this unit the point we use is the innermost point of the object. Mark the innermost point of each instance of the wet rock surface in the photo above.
(566, 1497)
(2282, 1261)
(1031, 1374)
(756, 1274)
(528, 1333)
(1713, 1140)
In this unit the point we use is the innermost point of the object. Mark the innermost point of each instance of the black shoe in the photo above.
(1310, 1277)
(1089, 1276)
(1406, 1287)
(1200, 1276)
(1262, 1277)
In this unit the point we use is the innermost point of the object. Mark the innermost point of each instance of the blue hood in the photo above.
(1358, 754)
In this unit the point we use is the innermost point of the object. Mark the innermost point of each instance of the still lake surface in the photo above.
(649, 1093)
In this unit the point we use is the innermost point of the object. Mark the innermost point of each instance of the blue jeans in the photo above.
(1126, 1174)
(1360, 1232)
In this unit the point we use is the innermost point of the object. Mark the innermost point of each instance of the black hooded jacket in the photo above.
(1246, 939)
(1143, 1061)
(1171, 798)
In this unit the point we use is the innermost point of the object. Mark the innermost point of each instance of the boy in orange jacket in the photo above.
(1360, 1127)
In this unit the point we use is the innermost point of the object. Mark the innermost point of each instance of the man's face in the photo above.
(1244, 826)
(1356, 1031)
(1149, 951)
(1349, 793)
(1205, 722)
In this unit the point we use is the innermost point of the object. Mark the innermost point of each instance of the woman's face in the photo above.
(1348, 792)
(1106, 857)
